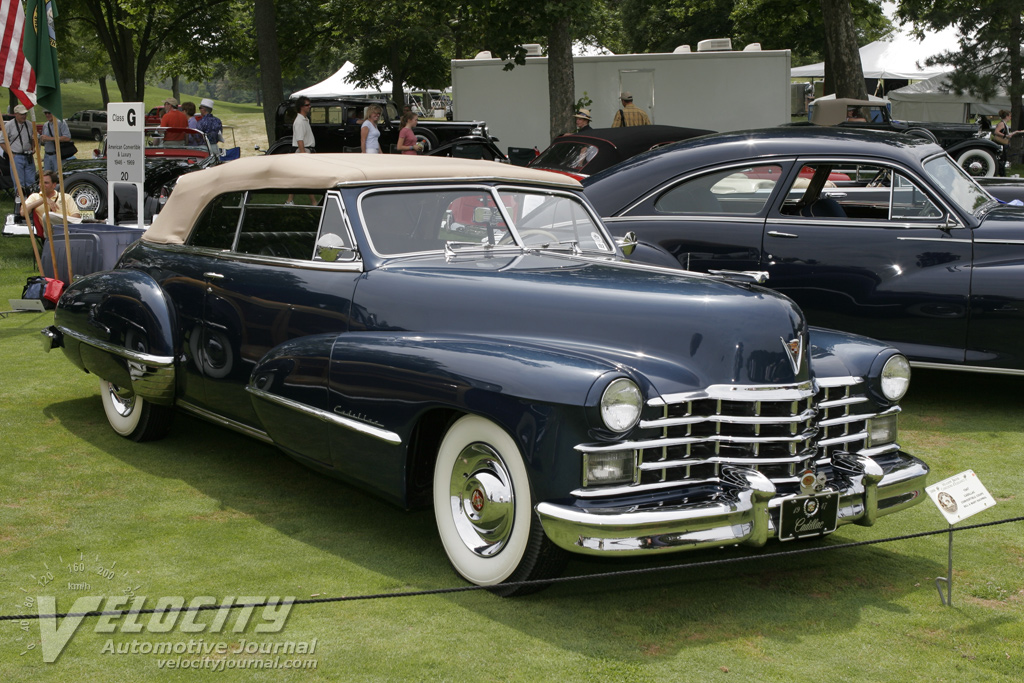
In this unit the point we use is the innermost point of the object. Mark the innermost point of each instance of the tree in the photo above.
(509, 24)
(265, 25)
(844, 74)
(989, 58)
(134, 34)
(395, 39)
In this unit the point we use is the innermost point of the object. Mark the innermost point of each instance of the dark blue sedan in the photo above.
(874, 233)
(466, 336)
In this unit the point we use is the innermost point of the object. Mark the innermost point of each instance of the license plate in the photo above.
(808, 516)
(86, 214)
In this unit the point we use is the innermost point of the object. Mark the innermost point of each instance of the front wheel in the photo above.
(484, 510)
(978, 162)
(132, 416)
(89, 193)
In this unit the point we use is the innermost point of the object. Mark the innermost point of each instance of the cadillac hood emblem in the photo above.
(795, 351)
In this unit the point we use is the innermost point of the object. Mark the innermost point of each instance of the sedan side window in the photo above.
(732, 191)
(859, 192)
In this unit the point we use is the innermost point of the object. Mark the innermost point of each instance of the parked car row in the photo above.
(874, 233)
(468, 337)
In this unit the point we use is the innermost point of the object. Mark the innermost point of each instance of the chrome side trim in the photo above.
(685, 218)
(120, 351)
(945, 240)
(993, 241)
(324, 416)
(227, 255)
(965, 368)
(224, 422)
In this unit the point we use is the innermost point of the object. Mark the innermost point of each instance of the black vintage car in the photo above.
(170, 153)
(579, 155)
(963, 141)
(876, 233)
(335, 123)
(466, 336)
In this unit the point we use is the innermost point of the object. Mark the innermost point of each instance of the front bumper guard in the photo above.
(742, 515)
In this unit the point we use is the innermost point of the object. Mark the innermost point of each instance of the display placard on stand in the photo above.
(126, 153)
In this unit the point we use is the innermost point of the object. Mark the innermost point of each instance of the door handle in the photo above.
(213, 276)
(787, 235)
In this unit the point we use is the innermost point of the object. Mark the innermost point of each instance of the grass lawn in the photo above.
(207, 512)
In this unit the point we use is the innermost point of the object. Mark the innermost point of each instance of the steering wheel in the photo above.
(507, 238)
(881, 179)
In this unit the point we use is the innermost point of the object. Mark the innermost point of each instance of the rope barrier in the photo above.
(539, 582)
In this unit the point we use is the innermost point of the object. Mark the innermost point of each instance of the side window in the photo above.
(857, 191)
(317, 115)
(909, 202)
(335, 115)
(100, 116)
(733, 191)
(216, 227)
(334, 242)
(273, 227)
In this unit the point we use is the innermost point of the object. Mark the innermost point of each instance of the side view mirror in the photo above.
(331, 247)
(627, 243)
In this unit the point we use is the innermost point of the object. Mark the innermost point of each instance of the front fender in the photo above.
(837, 354)
(974, 143)
(120, 326)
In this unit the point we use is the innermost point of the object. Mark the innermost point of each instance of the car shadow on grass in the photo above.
(655, 613)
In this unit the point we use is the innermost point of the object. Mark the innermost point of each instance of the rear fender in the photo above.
(120, 326)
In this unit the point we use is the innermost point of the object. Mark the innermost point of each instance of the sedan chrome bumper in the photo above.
(744, 511)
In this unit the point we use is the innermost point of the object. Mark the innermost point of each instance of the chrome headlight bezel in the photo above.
(621, 405)
(894, 380)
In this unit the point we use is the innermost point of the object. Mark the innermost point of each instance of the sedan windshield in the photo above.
(956, 184)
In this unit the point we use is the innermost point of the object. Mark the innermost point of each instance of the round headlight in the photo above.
(621, 404)
(895, 377)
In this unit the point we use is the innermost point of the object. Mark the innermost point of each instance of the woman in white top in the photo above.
(369, 134)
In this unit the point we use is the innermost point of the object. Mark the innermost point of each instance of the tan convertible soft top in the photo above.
(319, 172)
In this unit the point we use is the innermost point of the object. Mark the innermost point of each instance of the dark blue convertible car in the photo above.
(876, 233)
(466, 335)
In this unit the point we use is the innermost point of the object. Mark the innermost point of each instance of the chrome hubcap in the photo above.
(482, 499)
(124, 405)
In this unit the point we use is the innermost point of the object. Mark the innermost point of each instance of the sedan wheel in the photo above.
(978, 163)
(89, 192)
(484, 510)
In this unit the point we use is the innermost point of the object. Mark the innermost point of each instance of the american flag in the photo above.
(17, 72)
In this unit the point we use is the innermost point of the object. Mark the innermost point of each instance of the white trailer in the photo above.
(718, 90)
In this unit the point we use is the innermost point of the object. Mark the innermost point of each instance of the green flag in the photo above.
(41, 52)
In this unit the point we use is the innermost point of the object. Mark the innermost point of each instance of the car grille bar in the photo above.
(778, 431)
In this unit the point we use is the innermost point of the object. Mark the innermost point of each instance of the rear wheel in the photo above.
(978, 162)
(89, 193)
(484, 510)
(132, 416)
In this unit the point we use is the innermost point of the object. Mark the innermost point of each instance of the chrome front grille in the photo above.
(779, 431)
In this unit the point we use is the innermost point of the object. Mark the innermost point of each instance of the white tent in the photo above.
(896, 56)
(934, 100)
(341, 84)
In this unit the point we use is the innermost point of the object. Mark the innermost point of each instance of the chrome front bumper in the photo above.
(742, 514)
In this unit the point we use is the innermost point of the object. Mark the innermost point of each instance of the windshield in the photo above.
(417, 221)
(955, 182)
(570, 156)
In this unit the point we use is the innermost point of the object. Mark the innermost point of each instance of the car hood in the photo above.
(681, 330)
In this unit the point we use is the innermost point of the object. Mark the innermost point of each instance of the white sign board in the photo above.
(960, 496)
(126, 151)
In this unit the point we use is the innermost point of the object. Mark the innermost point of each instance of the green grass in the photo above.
(209, 512)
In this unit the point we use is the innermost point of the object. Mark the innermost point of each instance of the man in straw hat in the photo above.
(583, 121)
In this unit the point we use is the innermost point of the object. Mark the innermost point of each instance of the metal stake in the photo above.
(947, 599)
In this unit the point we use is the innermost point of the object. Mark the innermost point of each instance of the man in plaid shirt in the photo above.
(630, 114)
